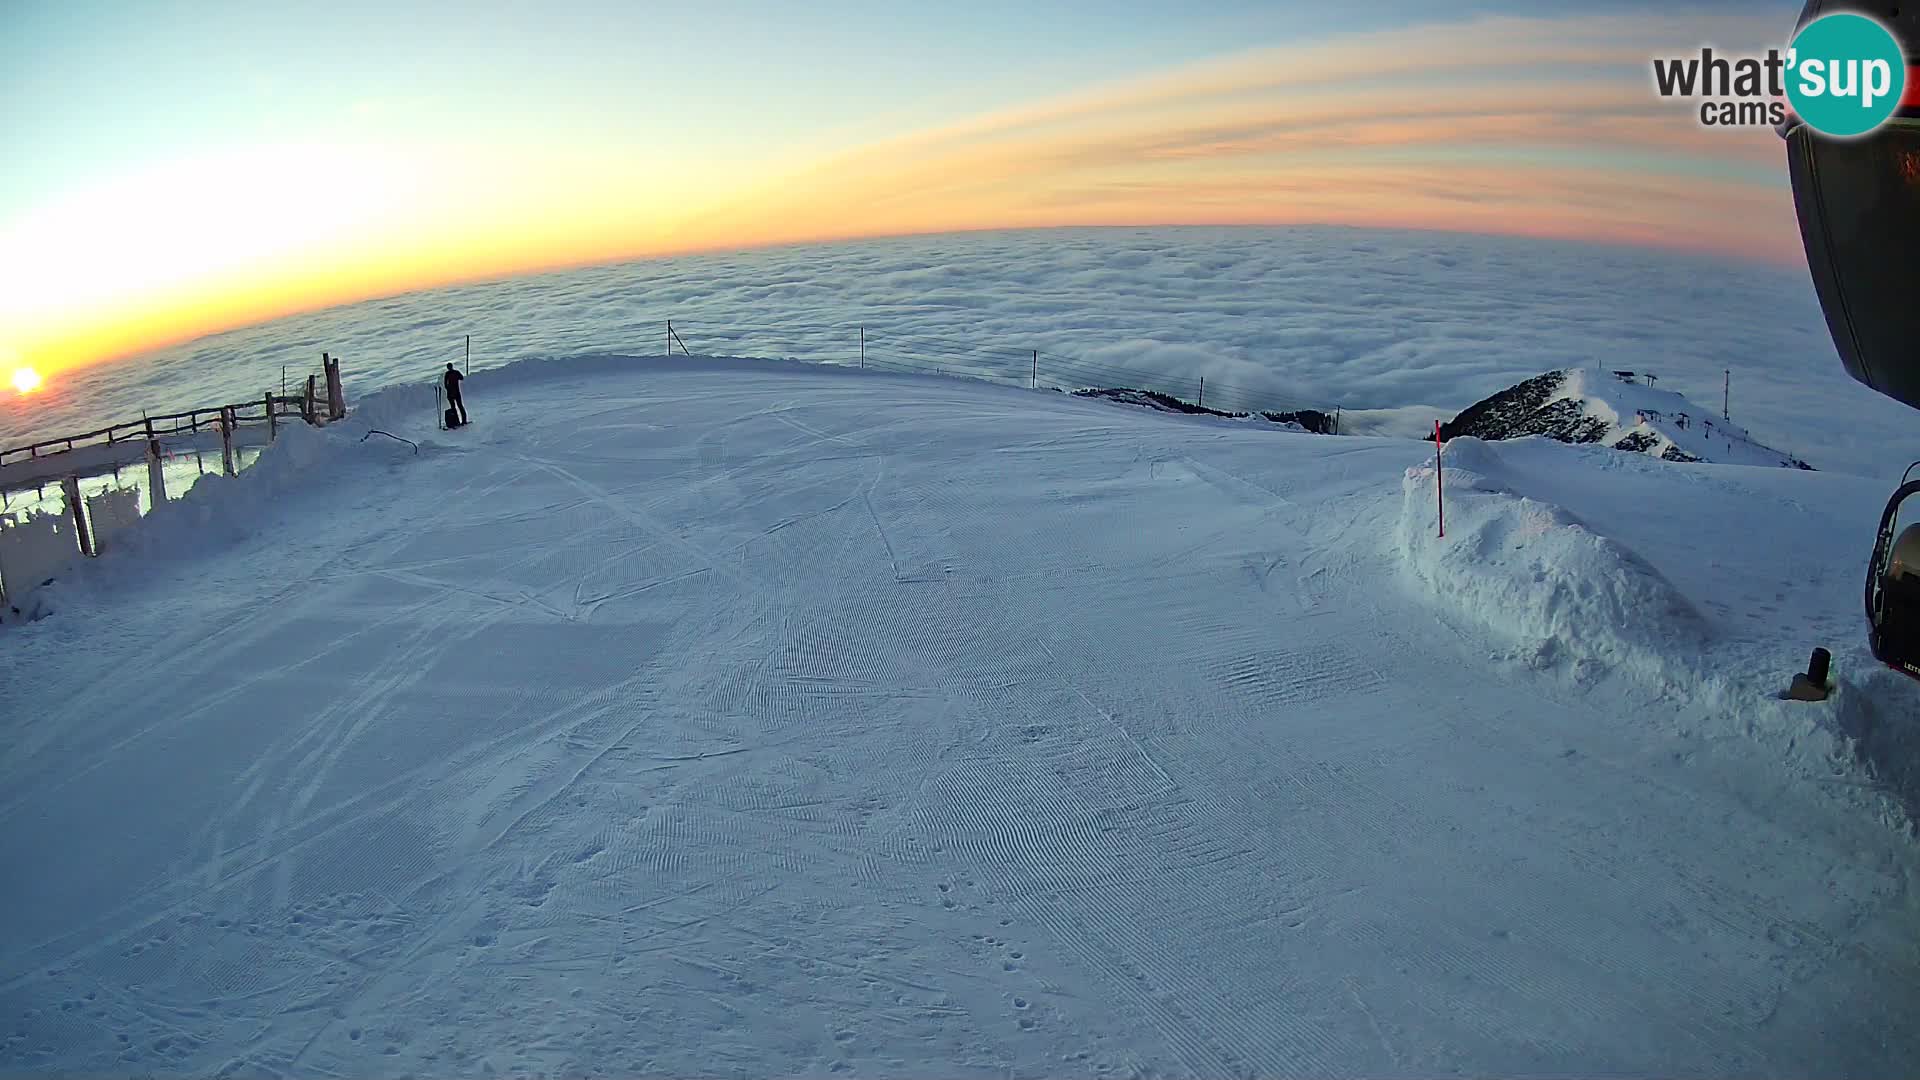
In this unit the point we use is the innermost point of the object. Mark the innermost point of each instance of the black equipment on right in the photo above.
(1893, 585)
(1858, 202)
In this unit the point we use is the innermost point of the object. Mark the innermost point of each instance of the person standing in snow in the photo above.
(452, 380)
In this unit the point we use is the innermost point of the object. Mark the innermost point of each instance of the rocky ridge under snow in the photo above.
(1575, 405)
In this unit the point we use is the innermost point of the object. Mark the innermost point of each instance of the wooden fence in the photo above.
(66, 457)
(270, 409)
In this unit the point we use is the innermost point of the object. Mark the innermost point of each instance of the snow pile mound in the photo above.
(1684, 587)
(1535, 576)
(224, 505)
(218, 511)
(1877, 713)
(1576, 405)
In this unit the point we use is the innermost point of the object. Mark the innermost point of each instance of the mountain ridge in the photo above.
(1575, 405)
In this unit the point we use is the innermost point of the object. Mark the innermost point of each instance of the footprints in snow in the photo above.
(999, 950)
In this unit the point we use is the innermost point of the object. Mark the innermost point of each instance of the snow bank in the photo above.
(32, 549)
(1552, 590)
(221, 510)
(1878, 715)
(214, 513)
(1532, 574)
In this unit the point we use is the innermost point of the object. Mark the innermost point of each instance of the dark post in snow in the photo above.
(669, 337)
(70, 486)
(863, 348)
(1439, 482)
(309, 408)
(1034, 383)
(336, 392)
(467, 366)
(1203, 391)
(156, 476)
(1726, 396)
(273, 426)
(226, 439)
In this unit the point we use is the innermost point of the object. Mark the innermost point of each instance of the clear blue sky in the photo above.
(90, 86)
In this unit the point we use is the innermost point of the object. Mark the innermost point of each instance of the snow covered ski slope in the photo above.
(711, 718)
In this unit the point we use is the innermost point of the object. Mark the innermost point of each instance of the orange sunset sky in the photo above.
(193, 167)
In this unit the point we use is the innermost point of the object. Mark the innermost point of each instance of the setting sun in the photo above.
(26, 380)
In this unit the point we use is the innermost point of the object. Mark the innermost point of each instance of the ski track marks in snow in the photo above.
(817, 722)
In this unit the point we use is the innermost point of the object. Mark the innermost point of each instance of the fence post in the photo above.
(1203, 392)
(70, 487)
(273, 425)
(226, 440)
(308, 407)
(336, 392)
(468, 365)
(1439, 484)
(156, 476)
(863, 348)
(1336, 419)
(669, 337)
(1034, 382)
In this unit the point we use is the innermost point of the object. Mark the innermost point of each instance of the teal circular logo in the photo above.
(1845, 74)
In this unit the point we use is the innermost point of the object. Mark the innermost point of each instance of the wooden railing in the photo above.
(268, 409)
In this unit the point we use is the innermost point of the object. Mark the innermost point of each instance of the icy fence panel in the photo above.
(33, 549)
(110, 512)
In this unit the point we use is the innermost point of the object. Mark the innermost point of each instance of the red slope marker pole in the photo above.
(1439, 496)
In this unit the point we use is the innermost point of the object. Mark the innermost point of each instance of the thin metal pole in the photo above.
(1203, 391)
(1034, 383)
(1726, 397)
(1439, 495)
(863, 347)
(469, 361)
(669, 337)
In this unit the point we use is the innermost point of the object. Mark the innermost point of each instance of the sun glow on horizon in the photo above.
(26, 380)
(225, 232)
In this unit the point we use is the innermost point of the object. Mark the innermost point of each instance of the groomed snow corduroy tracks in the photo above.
(722, 722)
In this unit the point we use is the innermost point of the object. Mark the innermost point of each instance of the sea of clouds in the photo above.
(1396, 328)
